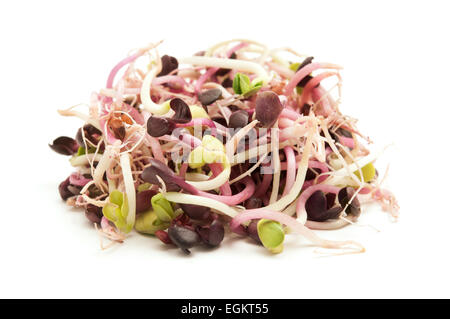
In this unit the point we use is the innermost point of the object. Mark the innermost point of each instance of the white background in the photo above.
(396, 78)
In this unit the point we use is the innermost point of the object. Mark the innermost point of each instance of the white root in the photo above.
(240, 65)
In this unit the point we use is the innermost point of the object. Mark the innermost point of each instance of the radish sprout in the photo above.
(236, 135)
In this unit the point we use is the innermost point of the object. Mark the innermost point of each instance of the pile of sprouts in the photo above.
(239, 138)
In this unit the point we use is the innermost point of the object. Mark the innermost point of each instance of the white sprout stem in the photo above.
(104, 163)
(299, 180)
(196, 177)
(82, 116)
(260, 150)
(212, 49)
(111, 184)
(98, 203)
(147, 102)
(291, 210)
(340, 157)
(341, 174)
(85, 159)
(129, 187)
(216, 182)
(202, 201)
(276, 166)
(231, 145)
(240, 65)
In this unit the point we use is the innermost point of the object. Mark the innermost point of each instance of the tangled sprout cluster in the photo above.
(238, 138)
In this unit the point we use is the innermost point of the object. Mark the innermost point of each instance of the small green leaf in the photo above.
(368, 172)
(237, 84)
(294, 66)
(257, 82)
(81, 151)
(124, 207)
(213, 149)
(252, 91)
(271, 234)
(144, 187)
(111, 211)
(116, 210)
(116, 197)
(244, 83)
(196, 157)
(162, 208)
(149, 223)
(241, 83)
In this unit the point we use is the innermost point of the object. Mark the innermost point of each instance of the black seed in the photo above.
(222, 72)
(311, 173)
(91, 133)
(227, 83)
(307, 78)
(169, 63)
(149, 175)
(143, 200)
(94, 191)
(305, 62)
(63, 190)
(220, 120)
(212, 235)
(331, 199)
(238, 119)
(268, 108)
(93, 213)
(64, 145)
(209, 96)
(182, 111)
(195, 211)
(344, 132)
(333, 213)
(304, 81)
(344, 196)
(306, 108)
(183, 237)
(333, 136)
(233, 108)
(253, 202)
(159, 126)
(252, 230)
(75, 190)
(316, 206)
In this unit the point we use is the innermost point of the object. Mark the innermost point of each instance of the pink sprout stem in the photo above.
(304, 72)
(290, 169)
(121, 64)
(216, 169)
(290, 114)
(312, 84)
(245, 194)
(347, 141)
(328, 104)
(78, 179)
(264, 186)
(173, 79)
